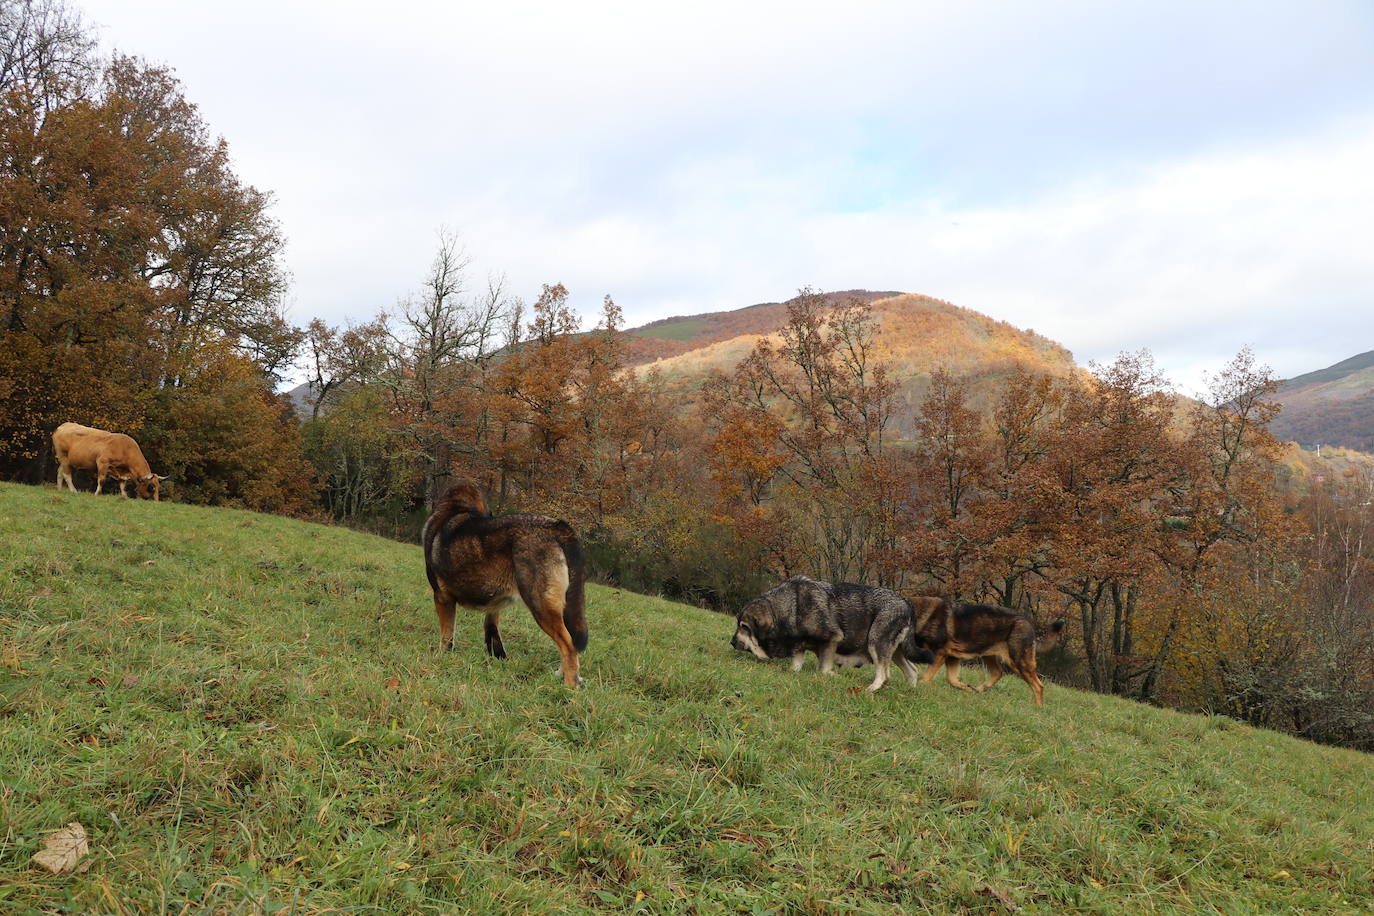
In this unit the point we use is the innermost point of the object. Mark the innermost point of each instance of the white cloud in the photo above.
(1185, 177)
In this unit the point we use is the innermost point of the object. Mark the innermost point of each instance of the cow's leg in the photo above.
(123, 487)
(101, 467)
(444, 610)
(64, 472)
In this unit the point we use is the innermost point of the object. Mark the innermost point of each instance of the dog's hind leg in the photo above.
(880, 678)
(885, 640)
(444, 610)
(908, 669)
(826, 654)
(1025, 666)
(934, 668)
(552, 624)
(545, 602)
(798, 659)
(952, 674)
(491, 626)
(992, 664)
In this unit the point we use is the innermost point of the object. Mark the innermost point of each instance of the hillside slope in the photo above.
(1332, 406)
(915, 336)
(248, 715)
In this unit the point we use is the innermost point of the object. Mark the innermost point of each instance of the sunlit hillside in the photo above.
(916, 336)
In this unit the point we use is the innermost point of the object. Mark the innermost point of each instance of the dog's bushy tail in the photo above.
(575, 601)
(1050, 637)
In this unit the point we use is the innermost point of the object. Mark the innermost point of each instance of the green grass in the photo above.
(673, 330)
(1333, 372)
(248, 715)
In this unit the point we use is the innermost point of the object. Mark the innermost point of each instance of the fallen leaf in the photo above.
(1002, 898)
(129, 681)
(96, 680)
(150, 562)
(400, 866)
(393, 682)
(64, 849)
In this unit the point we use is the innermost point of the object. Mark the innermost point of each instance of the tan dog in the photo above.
(997, 635)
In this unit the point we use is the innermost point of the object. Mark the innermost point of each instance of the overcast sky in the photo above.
(1189, 177)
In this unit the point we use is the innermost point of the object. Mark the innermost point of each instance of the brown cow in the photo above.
(106, 453)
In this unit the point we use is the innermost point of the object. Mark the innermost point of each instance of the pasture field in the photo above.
(248, 715)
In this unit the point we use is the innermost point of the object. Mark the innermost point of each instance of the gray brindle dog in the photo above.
(842, 623)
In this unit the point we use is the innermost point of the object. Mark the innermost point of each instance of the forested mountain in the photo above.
(1332, 406)
(914, 336)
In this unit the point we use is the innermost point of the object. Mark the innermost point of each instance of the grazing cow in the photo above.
(106, 453)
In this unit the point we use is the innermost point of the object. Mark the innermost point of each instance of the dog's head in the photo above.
(463, 498)
(756, 631)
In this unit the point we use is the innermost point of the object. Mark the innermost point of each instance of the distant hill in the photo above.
(917, 335)
(1332, 406)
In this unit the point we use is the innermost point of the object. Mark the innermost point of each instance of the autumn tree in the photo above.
(1020, 486)
(438, 350)
(334, 358)
(226, 439)
(947, 534)
(823, 402)
(1115, 467)
(128, 242)
(46, 50)
(1227, 499)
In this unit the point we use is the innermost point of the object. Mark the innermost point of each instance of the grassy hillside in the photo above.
(248, 715)
(1334, 372)
(1332, 406)
(916, 335)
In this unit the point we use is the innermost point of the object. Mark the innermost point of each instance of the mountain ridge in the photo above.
(1330, 406)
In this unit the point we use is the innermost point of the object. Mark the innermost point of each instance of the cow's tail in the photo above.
(575, 600)
(1050, 638)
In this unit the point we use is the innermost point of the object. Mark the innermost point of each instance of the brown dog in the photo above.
(997, 635)
(483, 562)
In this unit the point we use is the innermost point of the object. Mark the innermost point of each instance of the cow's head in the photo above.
(148, 487)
